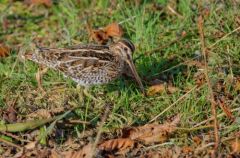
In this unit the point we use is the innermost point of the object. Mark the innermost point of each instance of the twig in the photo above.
(14, 136)
(104, 118)
(10, 143)
(204, 147)
(194, 128)
(174, 12)
(211, 95)
(169, 107)
(78, 122)
(230, 63)
(228, 34)
(159, 145)
(218, 116)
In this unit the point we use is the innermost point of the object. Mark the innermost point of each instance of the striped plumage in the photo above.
(90, 64)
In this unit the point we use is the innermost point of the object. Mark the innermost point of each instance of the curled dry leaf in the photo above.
(187, 149)
(47, 3)
(113, 30)
(235, 144)
(117, 144)
(31, 145)
(221, 102)
(102, 35)
(99, 36)
(41, 113)
(199, 78)
(152, 133)
(4, 51)
(85, 152)
(160, 88)
(10, 115)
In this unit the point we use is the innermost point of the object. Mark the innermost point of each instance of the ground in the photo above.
(169, 52)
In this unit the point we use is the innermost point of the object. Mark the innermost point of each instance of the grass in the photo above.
(64, 24)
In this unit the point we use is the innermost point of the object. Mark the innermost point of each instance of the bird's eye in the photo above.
(125, 49)
(128, 57)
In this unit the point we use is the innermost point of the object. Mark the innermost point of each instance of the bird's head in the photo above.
(125, 49)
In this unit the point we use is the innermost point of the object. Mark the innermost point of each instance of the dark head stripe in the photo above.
(129, 44)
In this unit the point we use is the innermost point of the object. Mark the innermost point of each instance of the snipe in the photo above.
(90, 64)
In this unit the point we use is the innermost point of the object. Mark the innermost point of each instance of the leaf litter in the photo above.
(4, 51)
(103, 35)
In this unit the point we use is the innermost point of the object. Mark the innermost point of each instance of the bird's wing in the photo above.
(85, 63)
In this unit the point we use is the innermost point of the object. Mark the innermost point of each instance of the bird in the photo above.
(90, 64)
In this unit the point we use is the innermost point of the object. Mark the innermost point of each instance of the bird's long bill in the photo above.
(136, 76)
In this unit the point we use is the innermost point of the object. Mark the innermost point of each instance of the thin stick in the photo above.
(159, 145)
(194, 128)
(78, 122)
(211, 95)
(169, 107)
(104, 118)
(212, 118)
(9, 143)
(14, 136)
(228, 34)
(204, 147)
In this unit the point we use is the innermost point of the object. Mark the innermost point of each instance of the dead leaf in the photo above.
(31, 145)
(99, 36)
(197, 140)
(151, 154)
(113, 30)
(85, 152)
(10, 115)
(103, 35)
(152, 133)
(41, 113)
(160, 88)
(57, 110)
(225, 108)
(187, 149)
(117, 144)
(235, 146)
(54, 154)
(47, 3)
(196, 63)
(199, 78)
(4, 51)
